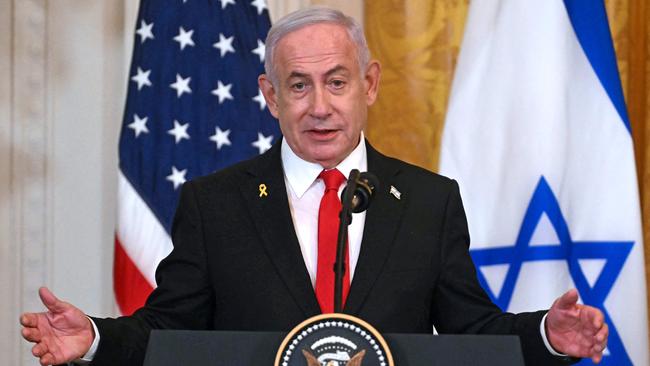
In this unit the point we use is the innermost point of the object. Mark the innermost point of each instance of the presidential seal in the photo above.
(333, 340)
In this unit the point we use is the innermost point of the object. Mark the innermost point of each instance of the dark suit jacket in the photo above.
(237, 265)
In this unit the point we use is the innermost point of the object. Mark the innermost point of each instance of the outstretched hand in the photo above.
(576, 330)
(62, 334)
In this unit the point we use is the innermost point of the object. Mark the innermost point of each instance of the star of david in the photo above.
(613, 252)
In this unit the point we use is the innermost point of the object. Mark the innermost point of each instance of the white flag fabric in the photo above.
(538, 137)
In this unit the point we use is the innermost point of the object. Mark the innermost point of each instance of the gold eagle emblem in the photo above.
(354, 360)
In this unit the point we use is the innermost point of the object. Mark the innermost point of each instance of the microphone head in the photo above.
(367, 184)
(369, 179)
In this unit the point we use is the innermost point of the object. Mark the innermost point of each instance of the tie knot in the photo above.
(332, 178)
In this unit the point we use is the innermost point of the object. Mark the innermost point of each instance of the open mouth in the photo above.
(322, 134)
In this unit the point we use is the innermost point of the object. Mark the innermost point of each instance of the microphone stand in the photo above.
(345, 219)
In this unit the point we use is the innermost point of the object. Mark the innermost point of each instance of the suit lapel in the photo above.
(272, 218)
(382, 221)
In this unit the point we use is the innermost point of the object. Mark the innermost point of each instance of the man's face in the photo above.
(321, 97)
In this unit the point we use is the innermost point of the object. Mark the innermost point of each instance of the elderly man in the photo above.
(251, 259)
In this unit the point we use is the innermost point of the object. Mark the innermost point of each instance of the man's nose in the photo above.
(320, 103)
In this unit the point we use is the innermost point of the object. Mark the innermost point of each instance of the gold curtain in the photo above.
(417, 43)
(630, 25)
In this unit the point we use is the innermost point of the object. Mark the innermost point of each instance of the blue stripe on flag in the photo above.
(589, 20)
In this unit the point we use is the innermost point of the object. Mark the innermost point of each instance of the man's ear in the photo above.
(373, 74)
(270, 94)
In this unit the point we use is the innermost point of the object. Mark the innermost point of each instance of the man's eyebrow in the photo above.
(333, 70)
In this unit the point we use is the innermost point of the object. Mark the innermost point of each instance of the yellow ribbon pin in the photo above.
(263, 190)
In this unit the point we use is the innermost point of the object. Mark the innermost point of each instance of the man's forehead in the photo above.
(316, 39)
(319, 44)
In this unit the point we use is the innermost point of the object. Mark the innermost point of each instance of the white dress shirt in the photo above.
(305, 191)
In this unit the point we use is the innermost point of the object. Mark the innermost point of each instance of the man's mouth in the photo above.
(322, 134)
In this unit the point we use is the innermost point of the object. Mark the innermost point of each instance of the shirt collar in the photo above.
(301, 174)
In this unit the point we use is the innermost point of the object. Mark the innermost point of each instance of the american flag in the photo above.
(193, 107)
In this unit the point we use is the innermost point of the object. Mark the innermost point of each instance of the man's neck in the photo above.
(300, 174)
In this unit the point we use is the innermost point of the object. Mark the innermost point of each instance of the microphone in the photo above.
(357, 199)
(365, 184)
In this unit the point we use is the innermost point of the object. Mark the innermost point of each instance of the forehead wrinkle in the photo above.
(316, 57)
(337, 68)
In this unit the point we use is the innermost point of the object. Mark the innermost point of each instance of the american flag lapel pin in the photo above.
(397, 194)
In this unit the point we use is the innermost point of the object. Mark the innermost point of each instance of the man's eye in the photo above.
(337, 84)
(298, 86)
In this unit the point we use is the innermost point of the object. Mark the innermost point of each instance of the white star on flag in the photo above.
(142, 78)
(179, 131)
(220, 137)
(225, 44)
(259, 98)
(177, 177)
(182, 85)
(145, 31)
(260, 50)
(139, 125)
(263, 143)
(222, 91)
(184, 38)
(260, 5)
(224, 3)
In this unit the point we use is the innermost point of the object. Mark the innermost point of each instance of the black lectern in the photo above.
(219, 348)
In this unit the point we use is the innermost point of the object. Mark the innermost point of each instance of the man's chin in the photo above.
(328, 161)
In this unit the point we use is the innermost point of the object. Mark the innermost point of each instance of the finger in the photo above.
(594, 337)
(597, 358)
(601, 336)
(47, 359)
(52, 303)
(597, 350)
(31, 334)
(595, 330)
(598, 347)
(568, 300)
(39, 350)
(591, 317)
(596, 316)
(29, 320)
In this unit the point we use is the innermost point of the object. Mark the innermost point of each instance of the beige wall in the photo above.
(63, 78)
(62, 86)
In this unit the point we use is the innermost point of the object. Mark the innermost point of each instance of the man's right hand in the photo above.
(62, 334)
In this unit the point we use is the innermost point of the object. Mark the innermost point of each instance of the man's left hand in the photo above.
(576, 330)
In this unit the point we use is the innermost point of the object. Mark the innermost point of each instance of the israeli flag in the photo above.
(538, 136)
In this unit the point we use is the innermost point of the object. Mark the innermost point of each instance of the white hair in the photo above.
(310, 16)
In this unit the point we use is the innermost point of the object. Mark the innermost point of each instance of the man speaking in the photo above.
(254, 243)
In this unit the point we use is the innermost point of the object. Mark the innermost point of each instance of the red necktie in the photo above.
(328, 229)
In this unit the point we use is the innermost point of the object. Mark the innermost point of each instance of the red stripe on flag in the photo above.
(130, 286)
